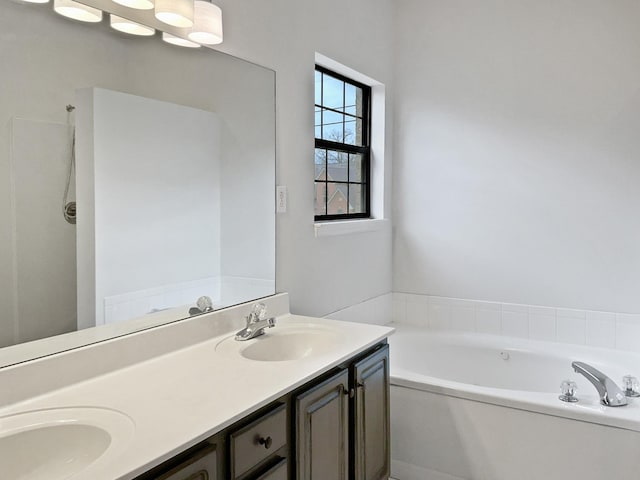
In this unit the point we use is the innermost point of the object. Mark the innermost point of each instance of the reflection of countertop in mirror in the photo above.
(184, 396)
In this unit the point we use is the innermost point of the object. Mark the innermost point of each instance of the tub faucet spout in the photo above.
(610, 393)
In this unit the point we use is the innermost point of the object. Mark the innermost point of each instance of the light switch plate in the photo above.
(281, 199)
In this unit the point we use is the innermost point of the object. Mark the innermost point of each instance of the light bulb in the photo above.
(207, 24)
(132, 28)
(181, 42)
(77, 11)
(178, 13)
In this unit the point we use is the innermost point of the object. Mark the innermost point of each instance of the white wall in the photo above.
(323, 274)
(45, 298)
(517, 167)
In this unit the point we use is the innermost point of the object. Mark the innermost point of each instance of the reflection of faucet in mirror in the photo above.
(257, 321)
(203, 305)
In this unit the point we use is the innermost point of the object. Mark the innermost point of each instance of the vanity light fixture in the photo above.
(137, 4)
(207, 25)
(177, 13)
(180, 42)
(77, 11)
(200, 20)
(132, 28)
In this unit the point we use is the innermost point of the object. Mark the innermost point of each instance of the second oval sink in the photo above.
(286, 344)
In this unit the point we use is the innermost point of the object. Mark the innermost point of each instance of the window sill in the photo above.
(348, 227)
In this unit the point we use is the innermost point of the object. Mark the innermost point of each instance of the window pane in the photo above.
(355, 168)
(353, 100)
(332, 126)
(353, 131)
(332, 93)
(350, 131)
(337, 198)
(356, 198)
(337, 166)
(360, 140)
(320, 161)
(318, 88)
(318, 123)
(320, 198)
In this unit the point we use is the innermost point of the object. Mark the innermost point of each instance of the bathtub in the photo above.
(480, 407)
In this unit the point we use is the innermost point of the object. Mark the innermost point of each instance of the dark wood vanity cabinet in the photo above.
(322, 430)
(342, 423)
(335, 427)
(371, 446)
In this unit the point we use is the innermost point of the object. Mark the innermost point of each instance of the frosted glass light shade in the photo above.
(178, 13)
(132, 28)
(77, 11)
(181, 42)
(207, 25)
(36, 1)
(137, 4)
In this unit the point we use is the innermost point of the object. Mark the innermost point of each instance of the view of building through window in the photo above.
(342, 147)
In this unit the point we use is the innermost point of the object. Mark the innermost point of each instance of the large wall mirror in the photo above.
(135, 178)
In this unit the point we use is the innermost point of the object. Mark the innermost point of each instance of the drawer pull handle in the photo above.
(267, 442)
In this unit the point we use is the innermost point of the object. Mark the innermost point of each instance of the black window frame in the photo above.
(363, 150)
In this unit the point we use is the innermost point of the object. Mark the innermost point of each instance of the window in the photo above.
(343, 151)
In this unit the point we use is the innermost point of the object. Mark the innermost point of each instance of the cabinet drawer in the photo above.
(277, 472)
(258, 440)
(201, 466)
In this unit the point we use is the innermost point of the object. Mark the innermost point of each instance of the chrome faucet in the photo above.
(610, 393)
(256, 323)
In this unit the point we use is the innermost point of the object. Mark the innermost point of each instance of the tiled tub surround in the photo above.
(479, 407)
(172, 382)
(580, 327)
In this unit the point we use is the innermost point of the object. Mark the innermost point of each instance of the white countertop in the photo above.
(181, 398)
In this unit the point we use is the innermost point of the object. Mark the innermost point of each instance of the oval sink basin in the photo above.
(283, 343)
(60, 443)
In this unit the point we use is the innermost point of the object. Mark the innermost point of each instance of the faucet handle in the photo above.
(631, 386)
(568, 391)
(258, 312)
(205, 304)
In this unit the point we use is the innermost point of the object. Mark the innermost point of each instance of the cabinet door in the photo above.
(322, 430)
(371, 449)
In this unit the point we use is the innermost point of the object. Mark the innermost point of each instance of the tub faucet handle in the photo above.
(568, 391)
(631, 386)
